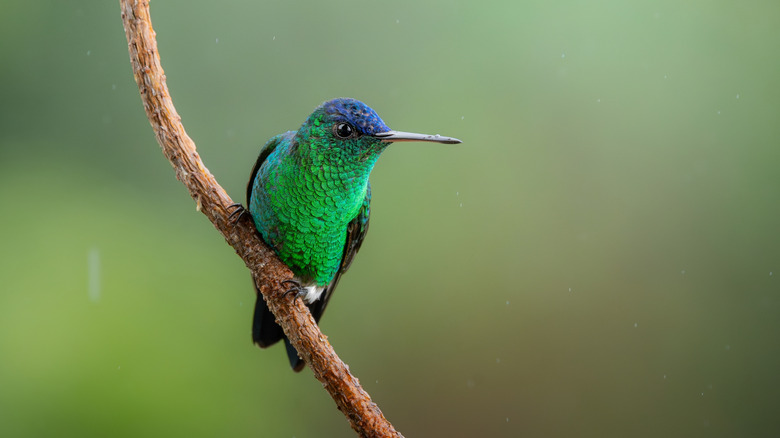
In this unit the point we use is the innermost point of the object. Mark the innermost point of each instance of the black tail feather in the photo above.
(266, 332)
(296, 362)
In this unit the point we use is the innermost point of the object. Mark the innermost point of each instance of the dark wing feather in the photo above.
(265, 330)
(266, 150)
(356, 232)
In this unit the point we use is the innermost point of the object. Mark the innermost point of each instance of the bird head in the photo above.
(352, 127)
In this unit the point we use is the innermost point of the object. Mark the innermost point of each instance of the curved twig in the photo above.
(363, 415)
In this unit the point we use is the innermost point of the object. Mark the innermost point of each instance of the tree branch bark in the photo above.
(267, 270)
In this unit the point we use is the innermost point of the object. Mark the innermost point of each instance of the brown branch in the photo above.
(363, 415)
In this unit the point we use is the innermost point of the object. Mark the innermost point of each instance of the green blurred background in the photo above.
(600, 257)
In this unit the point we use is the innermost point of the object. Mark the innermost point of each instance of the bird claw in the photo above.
(295, 288)
(239, 211)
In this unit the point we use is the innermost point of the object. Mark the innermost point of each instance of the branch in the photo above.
(267, 270)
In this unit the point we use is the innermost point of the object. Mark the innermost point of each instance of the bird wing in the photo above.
(266, 150)
(265, 331)
(356, 232)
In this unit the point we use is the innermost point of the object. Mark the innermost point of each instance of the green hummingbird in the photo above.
(309, 198)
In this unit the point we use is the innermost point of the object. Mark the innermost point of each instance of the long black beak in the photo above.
(393, 136)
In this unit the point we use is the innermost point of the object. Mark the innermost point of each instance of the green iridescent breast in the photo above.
(302, 200)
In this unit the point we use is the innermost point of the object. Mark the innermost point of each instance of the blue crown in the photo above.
(357, 113)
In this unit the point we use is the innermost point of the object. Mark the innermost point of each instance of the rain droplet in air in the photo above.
(89, 52)
(217, 41)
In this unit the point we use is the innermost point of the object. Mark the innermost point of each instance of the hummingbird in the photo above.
(309, 198)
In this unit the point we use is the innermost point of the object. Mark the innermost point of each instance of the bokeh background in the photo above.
(600, 257)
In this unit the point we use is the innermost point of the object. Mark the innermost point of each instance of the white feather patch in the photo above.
(312, 293)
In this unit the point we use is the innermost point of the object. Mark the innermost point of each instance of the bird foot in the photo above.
(239, 211)
(295, 287)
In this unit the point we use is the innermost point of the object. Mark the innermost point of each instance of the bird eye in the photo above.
(343, 130)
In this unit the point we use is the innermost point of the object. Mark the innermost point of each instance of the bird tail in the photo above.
(266, 332)
(296, 363)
